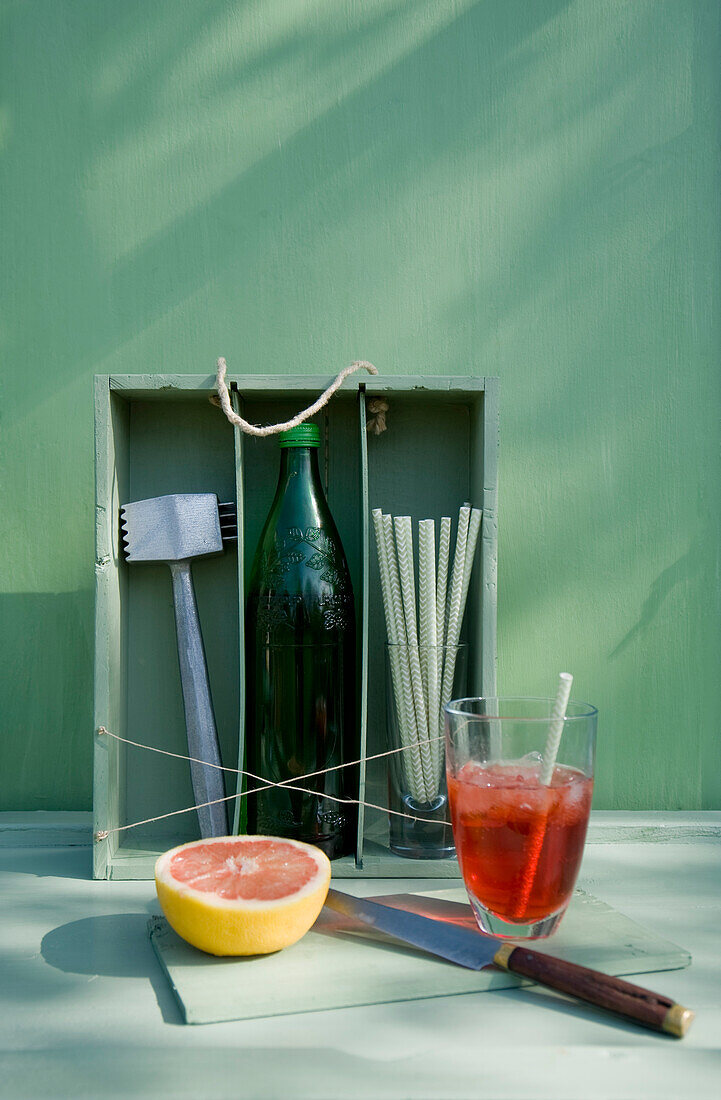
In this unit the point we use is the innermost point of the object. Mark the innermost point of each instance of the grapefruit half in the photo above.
(242, 895)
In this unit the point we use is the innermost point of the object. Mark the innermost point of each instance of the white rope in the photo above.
(286, 784)
(273, 429)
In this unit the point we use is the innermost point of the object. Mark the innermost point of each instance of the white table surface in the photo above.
(85, 1010)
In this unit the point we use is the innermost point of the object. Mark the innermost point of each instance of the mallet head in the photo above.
(171, 528)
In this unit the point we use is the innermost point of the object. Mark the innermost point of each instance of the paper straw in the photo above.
(409, 710)
(427, 601)
(390, 629)
(538, 832)
(444, 550)
(410, 761)
(459, 565)
(385, 580)
(555, 729)
(454, 604)
(404, 548)
(427, 635)
(474, 526)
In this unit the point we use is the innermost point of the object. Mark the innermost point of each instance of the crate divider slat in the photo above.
(237, 405)
(365, 586)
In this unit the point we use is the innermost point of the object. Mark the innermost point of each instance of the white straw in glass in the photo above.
(404, 549)
(400, 674)
(538, 831)
(404, 655)
(454, 605)
(474, 526)
(406, 764)
(555, 728)
(444, 551)
(427, 634)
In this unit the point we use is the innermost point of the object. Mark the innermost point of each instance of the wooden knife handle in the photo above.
(641, 1005)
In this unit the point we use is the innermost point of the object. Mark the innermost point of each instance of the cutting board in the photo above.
(340, 964)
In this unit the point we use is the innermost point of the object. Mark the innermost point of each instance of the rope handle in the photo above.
(273, 429)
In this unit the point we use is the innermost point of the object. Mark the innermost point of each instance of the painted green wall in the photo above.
(528, 189)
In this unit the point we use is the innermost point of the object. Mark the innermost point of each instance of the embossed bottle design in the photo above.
(300, 639)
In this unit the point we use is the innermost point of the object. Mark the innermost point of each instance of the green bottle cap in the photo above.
(305, 435)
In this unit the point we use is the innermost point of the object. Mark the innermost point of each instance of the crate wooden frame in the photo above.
(439, 405)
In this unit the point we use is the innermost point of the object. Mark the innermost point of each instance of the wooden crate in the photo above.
(159, 434)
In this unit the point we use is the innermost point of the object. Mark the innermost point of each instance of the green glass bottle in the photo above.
(300, 641)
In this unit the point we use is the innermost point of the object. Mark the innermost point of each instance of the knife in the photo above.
(475, 950)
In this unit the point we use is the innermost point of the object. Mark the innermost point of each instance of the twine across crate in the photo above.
(290, 785)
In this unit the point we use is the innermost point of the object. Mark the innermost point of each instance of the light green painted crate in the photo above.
(159, 434)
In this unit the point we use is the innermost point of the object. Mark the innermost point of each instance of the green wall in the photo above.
(528, 189)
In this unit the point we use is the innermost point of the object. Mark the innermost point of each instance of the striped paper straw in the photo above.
(411, 767)
(444, 551)
(404, 548)
(474, 526)
(454, 603)
(427, 636)
(400, 674)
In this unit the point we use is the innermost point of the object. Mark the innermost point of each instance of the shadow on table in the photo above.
(114, 946)
(557, 1002)
(62, 863)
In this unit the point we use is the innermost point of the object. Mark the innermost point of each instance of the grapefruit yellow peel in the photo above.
(244, 925)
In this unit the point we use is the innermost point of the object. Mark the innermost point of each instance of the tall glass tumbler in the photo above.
(519, 842)
(416, 676)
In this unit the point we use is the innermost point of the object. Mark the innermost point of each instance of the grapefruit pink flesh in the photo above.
(242, 895)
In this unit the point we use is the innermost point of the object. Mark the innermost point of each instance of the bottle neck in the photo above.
(298, 462)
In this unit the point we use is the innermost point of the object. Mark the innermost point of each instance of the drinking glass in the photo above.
(418, 798)
(519, 842)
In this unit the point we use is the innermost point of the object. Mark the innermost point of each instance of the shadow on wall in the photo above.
(46, 648)
(687, 569)
(244, 177)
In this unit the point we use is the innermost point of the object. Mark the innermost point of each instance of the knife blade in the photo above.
(474, 950)
(459, 945)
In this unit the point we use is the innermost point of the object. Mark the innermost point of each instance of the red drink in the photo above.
(519, 844)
